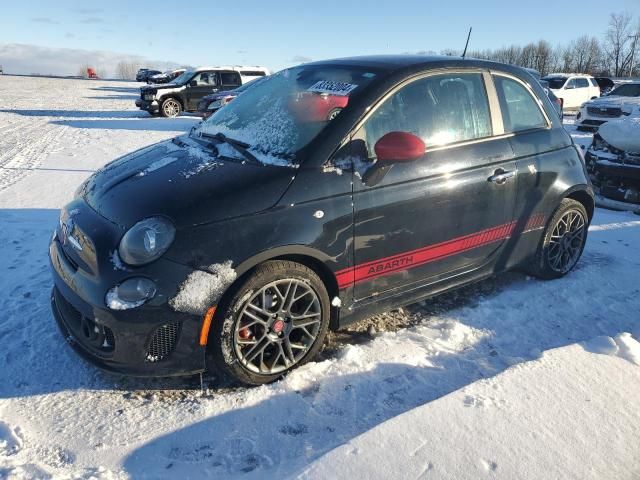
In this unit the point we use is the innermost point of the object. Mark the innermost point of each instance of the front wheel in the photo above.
(170, 108)
(276, 321)
(563, 241)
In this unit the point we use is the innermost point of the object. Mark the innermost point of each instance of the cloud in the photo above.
(27, 59)
(301, 59)
(69, 35)
(92, 20)
(47, 20)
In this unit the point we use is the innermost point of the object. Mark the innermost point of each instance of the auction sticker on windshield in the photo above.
(334, 88)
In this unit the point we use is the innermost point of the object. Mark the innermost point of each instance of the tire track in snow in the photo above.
(24, 148)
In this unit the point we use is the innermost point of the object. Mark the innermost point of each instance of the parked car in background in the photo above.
(573, 89)
(212, 103)
(545, 85)
(144, 73)
(328, 193)
(166, 77)
(606, 84)
(185, 92)
(613, 162)
(623, 100)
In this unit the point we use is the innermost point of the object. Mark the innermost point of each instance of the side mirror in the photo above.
(399, 147)
(193, 83)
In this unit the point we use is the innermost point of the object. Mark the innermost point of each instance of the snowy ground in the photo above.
(511, 378)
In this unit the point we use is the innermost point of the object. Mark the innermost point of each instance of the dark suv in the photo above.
(185, 92)
(329, 192)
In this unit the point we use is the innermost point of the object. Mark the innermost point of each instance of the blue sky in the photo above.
(279, 33)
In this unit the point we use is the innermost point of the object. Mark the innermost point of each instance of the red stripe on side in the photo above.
(421, 256)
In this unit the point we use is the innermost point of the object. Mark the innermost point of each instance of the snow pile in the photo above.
(623, 346)
(10, 440)
(202, 290)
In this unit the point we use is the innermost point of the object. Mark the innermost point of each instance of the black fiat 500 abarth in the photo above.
(329, 192)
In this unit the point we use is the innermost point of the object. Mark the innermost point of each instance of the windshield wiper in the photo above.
(237, 145)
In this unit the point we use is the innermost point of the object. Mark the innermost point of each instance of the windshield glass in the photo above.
(630, 90)
(184, 78)
(283, 112)
(555, 82)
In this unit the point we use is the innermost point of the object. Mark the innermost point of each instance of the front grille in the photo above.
(93, 336)
(163, 342)
(604, 111)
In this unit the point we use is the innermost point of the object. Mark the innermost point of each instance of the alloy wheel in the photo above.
(567, 241)
(171, 108)
(277, 326)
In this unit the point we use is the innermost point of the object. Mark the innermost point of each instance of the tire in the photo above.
(252, 352)
(550, 262)
(170, 107)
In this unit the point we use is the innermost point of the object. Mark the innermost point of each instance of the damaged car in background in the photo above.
(622, 101)
(613, 163)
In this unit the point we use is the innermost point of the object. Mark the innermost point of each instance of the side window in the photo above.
(571, 84)
(206, 79)
(230, 80)
(440, 109)
(582, 83)
(520, 110)
(593, 82)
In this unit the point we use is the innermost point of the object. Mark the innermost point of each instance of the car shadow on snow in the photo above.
(478, 332)
(79, 113)
(113, 97)
(147, 123)
(116, 89)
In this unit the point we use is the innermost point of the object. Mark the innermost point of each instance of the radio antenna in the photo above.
(466, 45)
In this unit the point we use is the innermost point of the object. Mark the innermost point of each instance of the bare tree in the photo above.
(617, 42)
(126, 70)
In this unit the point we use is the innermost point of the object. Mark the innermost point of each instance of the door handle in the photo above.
(500, 176)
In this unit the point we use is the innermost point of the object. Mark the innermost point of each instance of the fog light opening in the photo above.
(131, 293)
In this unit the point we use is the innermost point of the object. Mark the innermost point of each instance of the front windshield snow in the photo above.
(285, 111)
(183, 77)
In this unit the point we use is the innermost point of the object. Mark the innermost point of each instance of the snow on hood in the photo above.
(623, 134)
(202, 290)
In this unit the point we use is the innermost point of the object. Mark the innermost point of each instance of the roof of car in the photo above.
(568, 75)
(231, 67)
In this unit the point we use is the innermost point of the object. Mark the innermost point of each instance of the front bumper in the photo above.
(150, 106)
(152, 340)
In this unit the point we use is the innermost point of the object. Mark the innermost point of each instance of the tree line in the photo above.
(616, 53)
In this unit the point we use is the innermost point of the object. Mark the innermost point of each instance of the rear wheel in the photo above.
(563, 241)
(276, 321)
(170, 108)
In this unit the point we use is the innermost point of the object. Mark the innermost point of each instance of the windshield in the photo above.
(184, 78)
(283, 112)
(555, 82)
(630, 90)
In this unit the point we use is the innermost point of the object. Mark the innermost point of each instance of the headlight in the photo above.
(149, 97)
(146, 241)
(130, 294)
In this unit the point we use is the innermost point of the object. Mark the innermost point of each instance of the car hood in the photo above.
(182, 180)
(614, 101)
(160, 86)
(623, 134)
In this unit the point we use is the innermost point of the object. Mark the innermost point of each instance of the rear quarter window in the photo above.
(520, 109)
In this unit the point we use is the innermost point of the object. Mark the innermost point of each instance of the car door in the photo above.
(449, 211)
(200, 85)
(583, 91)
